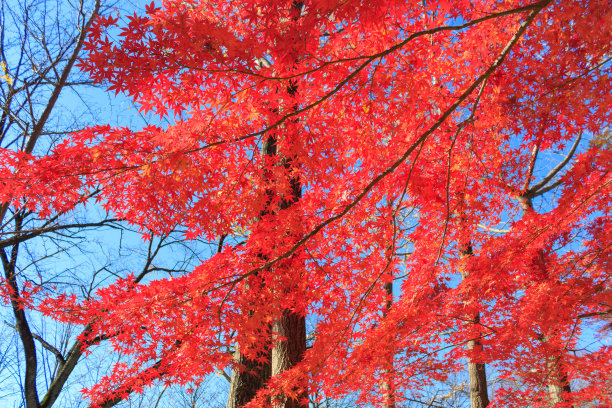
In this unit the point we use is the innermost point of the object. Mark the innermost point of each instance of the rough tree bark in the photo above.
(288, 352)
(251, 375)
(289, 343)
(558, 383)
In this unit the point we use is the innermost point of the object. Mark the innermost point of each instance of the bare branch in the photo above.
(495, 230)
(42, 120)
(44, 343)
(38, 127)
(534, 157)
(535, 190)
(21, 236)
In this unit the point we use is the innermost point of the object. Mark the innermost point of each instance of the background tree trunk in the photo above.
(479, 396)
(388, 385)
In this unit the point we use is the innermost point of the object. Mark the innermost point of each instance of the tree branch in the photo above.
(23, 327)
(535, 190)
(40, 123)
(22, 236)
(44, 343)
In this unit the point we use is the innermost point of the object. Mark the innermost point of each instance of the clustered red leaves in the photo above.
(413, 123)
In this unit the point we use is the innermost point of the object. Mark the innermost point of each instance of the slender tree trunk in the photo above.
(9, 263)
(388, 385)
(479, 396)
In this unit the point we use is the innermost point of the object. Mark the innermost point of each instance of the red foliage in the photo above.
(416, 123)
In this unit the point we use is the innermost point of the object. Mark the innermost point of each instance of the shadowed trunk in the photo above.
(247, 381)
(251, 375)
(289, 351)
(290, 329)
(479, 397)
(557, 383)
(289, 342)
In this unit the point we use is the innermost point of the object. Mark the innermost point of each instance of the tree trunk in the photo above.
(388, 384)
(289, 349)
(289, 342)
(9, 264)
(479, 396)
(291, 327)
(247, 379)
(251, 375)
(557, 382)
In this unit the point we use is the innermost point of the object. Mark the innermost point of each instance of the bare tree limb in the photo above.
(536, 189)
(44, 343)
(22, 236)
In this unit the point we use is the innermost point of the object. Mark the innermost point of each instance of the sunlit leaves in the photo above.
(395, 176)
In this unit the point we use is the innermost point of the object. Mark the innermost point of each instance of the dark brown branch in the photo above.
(78, 348)
(368, 60)
(65, 369)
(373, 57)
(23, 327)
(534, 157)
(22, 236)
(44, 343)
(595, 314)
(537, 189)
(38, 127)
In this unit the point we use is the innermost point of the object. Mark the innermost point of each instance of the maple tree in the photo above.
(355, 144)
